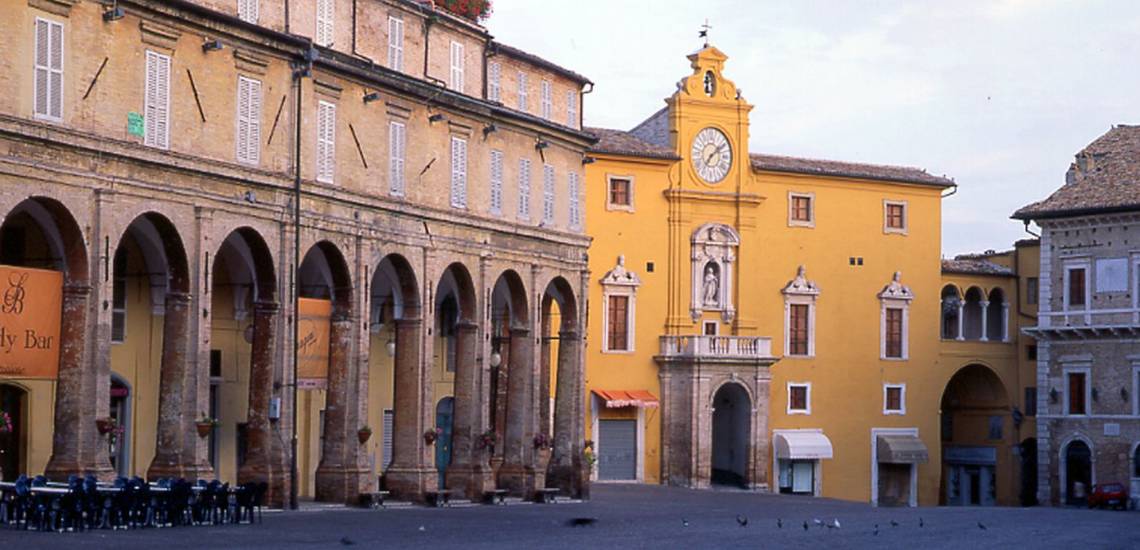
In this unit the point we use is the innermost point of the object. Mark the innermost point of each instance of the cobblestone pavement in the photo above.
(630, 516)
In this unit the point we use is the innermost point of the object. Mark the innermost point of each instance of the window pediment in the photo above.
(895, 290)
(801, 286)
(620, 276)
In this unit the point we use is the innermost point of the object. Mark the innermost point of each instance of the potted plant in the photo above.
(105, 425)
(487, 441)
(6, 425)
(364, 433)
(431, 435)
(472, 10)
(205, 424)
(589, 457)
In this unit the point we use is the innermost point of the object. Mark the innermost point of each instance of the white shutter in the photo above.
(458, 172)
(494, 72)
(457, 66)
(548, 194)
(157, 101)
(547, 100)
(396, 141)
(249, 121)
(575, 207)
(325, 14)
(248, 10)
(326, 141)
(49, 70)
(571, 108)
(386, 447)
(496, 182)
(524, 189)
(395, 44)
(522, 91)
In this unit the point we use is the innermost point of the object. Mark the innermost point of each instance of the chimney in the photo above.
(1071, 175)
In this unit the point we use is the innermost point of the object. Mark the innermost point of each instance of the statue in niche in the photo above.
(711, 285)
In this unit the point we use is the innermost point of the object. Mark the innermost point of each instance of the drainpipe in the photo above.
(354, 27)
(953, 191)
(298, 74)
(582, 105)
(286, 16)
(1030, 232)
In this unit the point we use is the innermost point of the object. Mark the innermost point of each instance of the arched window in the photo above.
(996, 314)
(951, 313)
(972, 317)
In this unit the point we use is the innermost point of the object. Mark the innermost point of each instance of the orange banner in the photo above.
(313, 343)
(31, 302)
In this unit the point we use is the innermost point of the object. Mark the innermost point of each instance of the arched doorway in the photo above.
(1078, 472)
(444, 412)
(516, 345)
(732, 422)
(1029, 472)
(119, 440)
(459, 375)
(975, 425)
(13, 436)
(561, 364)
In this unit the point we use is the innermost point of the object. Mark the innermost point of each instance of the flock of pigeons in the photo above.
(743, 522)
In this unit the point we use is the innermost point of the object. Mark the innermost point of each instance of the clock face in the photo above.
(712, 155)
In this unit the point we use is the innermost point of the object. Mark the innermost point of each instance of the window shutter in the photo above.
(547, 100)
(524, 189)
(494, 71)
(386, 447)
(457, 66)
(242, 138)
(325, 22)
(575, 206)
(522, 91)
(42, 67)
(249, 121)
(248, 10)
(157, 101)
(571, 109)
(458, 173)
(396, 141)
(496, 182)
(395, 44)
(326, 141)
(548, 194)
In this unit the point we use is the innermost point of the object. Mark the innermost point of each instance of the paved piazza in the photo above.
(631, 516)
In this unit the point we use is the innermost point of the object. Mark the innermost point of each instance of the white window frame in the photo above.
(620, 282)
(248, 121)
(912, 499)
(326, 23)
(522, 91)
(887, 229)
(497, 165)
(397, 149)
(524, 189)
(619, 207)
(705, 326)
(395, 43)
(248, 10)
(807, 399)
(902, 399)
(574, 191)
(1069, 266)
(494, 81)
(547, 194)
(156, 109)
(458, 172)
(572, 108)
(50, 70)
(895, 296)
(792, 222)
(1086, 370)
(455, 83)
(326, 142)
(547, 99)
(799, 291)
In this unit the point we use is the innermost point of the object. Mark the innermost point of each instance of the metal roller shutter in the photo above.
(617, 448)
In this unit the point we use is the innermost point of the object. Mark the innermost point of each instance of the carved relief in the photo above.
(713, 253)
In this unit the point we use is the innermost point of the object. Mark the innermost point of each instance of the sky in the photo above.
(999, 94)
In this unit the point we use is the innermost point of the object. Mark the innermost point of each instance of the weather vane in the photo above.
(704, 33)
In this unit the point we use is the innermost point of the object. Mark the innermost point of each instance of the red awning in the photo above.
(616, 399)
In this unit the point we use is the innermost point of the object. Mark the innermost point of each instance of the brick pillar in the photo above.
(567, 470)
(542, 399)
(519, 435)
(77, 447)
(340, 476)
(177, 437)
(469, 472)
(265, 455)
(411, 473)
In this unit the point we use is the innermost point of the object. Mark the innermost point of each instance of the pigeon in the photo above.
(980, 526)
(684, 522)
(345, 541)
(422, 528)
(817, 522)
(835, 523)
(921, 523)
(743, 521)
(581, 522)
(805, 526)
(876, 531)
(779, 523)
(894, 523)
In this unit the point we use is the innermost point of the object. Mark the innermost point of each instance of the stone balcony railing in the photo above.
(716, 347)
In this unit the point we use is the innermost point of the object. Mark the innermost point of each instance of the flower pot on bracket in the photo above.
(204, 428)
(363, 435)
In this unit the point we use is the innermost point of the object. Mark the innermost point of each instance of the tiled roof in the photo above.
(1104, 178)
(516, 53)
(654, 129)
(904, 174)
(974, 266)
(620, 142)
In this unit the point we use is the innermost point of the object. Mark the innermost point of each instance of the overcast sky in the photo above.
(997, 94)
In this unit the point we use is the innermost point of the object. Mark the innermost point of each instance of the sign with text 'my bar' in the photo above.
(313, 343)
(31, 302)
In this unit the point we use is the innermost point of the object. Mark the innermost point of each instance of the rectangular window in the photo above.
(547, 100)
(496, 182)
(395, 43)
(325, 16)
(156, 111)
(995, 427)
(894, 336)
(572, 108)
(522, 91)
(494, 77)
(799, 398)
(620, 191)
(575, 205)
(397, 139)
(247, 10)
(1031, 401)
(618, 329)
(119, 298)
(1076, 287)
(1031, 352)
(249, 120)
(458, 172)
(49, 70)
(326, 141)
(547, 194)
(1076, 384)
(798, 329)
(1031, 290)
(711, 328)
(456, 67)
(896, 216)
(894, 399)
(801, 210)
(524, 189)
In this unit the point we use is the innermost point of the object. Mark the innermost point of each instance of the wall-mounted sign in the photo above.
(313, 343)
(135, 124)
(31, 302)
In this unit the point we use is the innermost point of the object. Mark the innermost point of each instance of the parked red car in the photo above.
(1109, 494)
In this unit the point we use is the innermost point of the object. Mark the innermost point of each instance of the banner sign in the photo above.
(313, 343)
(31, 303)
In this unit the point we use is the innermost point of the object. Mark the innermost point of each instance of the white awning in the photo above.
(802, 444)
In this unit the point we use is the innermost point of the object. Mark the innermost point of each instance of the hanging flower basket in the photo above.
(431, 435)
(363, 434)
(205, 425)
(487, 441)
(473, 10)
(541, 441)
(6, 425)
(105, 425)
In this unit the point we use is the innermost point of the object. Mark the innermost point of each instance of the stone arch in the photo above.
(324, 273)
(513, 415)
(995, 312)
(975, 408)
(562, 379)
(973, 313)
(65, 239)
(951, 312)
(731, 459)
(1076, 464)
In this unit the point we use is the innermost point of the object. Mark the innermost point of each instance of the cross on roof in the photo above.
(704, 32)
